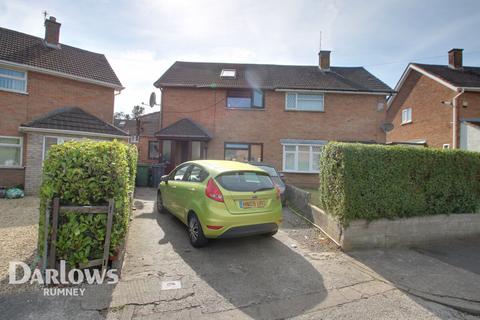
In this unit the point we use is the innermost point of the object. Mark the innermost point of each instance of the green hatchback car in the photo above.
(221, 199)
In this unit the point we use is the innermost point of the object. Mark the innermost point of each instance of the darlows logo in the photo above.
(57, 277)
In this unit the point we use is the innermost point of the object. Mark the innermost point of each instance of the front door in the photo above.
(181, 151)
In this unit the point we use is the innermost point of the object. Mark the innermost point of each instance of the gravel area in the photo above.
(18, 236)
(306, 234)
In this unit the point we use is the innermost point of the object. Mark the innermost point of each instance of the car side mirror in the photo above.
(164, 178)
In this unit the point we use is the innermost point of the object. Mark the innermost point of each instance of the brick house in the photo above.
(278, 114)
(438, 105)
(147, 144)
(49, 93)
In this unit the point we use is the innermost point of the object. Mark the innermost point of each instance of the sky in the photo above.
(142, 38)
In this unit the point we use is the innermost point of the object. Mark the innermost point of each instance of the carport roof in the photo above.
(184, 129)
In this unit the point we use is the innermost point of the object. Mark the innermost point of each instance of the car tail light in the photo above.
(277, 189)
(214, 227)
(213, 192)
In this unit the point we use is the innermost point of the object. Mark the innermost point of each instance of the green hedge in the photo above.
(87, 173)
(359, 181)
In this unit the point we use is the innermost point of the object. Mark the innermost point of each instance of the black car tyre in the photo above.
(195, 232)
(160, 207)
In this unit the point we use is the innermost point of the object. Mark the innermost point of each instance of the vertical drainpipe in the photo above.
(455, 119)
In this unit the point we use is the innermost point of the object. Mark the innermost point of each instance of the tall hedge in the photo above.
(359, 181)
(87, 173)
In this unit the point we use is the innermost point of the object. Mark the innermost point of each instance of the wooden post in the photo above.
(53, 239)
(45, 237)
(106, 247)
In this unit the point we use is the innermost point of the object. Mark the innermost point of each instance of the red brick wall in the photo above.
(46, 93)
(431, 120)
(350, 117)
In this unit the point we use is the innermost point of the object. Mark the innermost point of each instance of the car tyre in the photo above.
(159, 202)
(271, 234)
(195, 232)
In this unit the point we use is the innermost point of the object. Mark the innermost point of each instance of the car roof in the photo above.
(220, 166)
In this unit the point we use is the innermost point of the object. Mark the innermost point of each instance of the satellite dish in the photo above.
(153, 100)
(387, 126)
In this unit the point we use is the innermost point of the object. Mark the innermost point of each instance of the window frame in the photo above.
(20, 145)
(159, 151)
(25, 78)
(171, 176)
(296, 108)
(251, 96)
(296, 154)
(249, 149)
(190, 172)
(408, 112)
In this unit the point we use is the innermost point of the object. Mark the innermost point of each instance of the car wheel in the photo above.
(195, 232)
(160, 207)
(271, 234)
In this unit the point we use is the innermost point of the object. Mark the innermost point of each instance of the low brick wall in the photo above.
(384, 233)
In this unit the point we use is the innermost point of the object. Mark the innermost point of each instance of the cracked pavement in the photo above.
(259, 278)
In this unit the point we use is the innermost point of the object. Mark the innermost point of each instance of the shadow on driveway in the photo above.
(260, 275)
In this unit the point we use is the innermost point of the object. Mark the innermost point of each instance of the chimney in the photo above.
(455, 59)
(52, 32)
(324, 60)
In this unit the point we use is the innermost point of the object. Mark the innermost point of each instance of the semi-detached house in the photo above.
(49, 93)
(279, 114)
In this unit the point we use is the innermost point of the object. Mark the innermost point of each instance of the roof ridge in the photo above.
(263, 64)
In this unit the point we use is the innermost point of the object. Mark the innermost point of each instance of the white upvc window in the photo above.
(302, 158)
(134, 139)
(13, 80)
(49, 141)
(301, 101)
(11, 151)
(406, 115)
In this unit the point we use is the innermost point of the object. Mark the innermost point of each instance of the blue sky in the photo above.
(142, 38)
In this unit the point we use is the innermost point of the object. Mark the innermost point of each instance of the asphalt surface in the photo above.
(285, 276)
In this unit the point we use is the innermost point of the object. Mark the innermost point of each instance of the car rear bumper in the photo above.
(251, 230)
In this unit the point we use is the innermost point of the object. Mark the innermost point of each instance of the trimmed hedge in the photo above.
(88, 173)
(359, 181)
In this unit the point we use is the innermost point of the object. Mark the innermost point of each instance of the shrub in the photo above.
(360, 181)
(87, 173)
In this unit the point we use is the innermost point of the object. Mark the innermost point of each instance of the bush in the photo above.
(87, 173)
(360, 181)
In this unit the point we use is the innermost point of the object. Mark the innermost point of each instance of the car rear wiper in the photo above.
(262, 188)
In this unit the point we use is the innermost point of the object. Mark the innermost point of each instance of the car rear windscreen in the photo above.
(245, 181)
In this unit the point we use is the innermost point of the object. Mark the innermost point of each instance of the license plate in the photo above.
(251, 204)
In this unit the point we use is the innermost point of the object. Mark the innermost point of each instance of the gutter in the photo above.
(60, 74)
(71, 132)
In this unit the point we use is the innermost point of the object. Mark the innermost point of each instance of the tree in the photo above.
(137, 112)
(121, 115)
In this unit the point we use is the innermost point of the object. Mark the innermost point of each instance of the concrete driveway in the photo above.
(295, 274)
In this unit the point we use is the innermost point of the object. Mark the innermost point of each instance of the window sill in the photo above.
(404, 123)
(246, 109)
(12, 167)
(314, 111)
(15, 91)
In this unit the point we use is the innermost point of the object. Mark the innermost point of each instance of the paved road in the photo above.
(295, 274)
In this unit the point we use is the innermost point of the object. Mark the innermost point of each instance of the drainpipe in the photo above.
(455, 118)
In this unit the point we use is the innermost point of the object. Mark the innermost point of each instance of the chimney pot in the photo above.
(52, 32)
(455, 60)
(324, 60)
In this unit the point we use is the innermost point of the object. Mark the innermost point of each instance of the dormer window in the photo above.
(228, 73)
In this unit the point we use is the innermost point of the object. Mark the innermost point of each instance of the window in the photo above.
(12, 80)
(407, 115)
(166, 150)
(243, 151)
(179, 174)
(245, 181)
(228, 73)
(304, 101)
(11, 151)
(302, 158)
(197, 174)
(134, 139)
(245, 99)
(50, 141)
(153, 150)
(446, 146)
